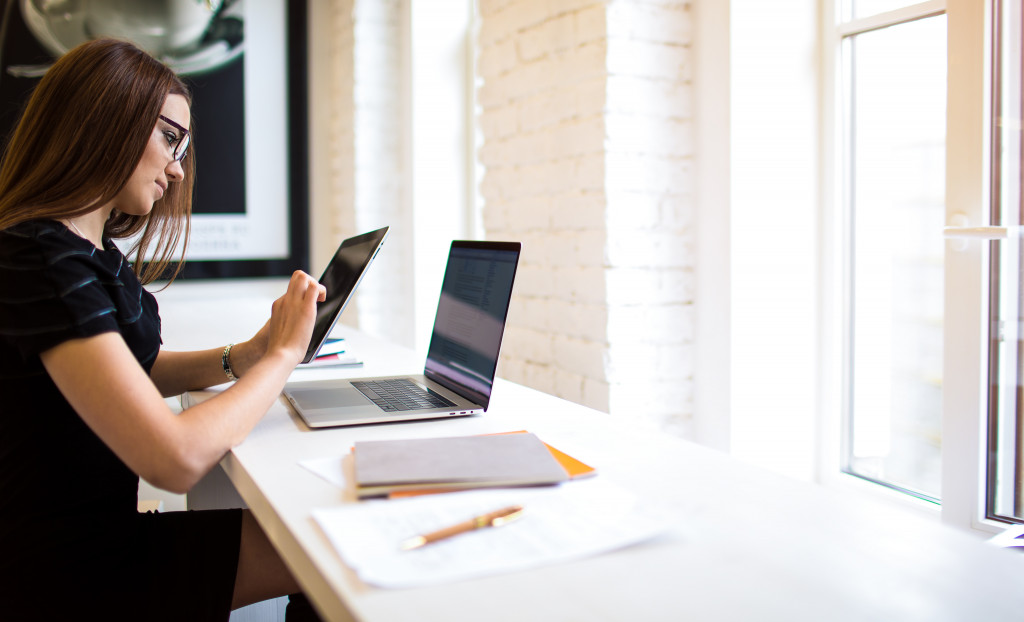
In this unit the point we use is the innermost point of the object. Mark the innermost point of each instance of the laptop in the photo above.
(461, 359)
(341, 278)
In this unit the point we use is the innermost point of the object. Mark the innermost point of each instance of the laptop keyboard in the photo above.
(400, 394)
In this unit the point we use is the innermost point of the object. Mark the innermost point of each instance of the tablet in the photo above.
(341, 278)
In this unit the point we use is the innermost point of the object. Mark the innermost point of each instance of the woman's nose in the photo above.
(174, 171)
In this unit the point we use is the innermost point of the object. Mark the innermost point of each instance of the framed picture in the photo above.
(245, 61)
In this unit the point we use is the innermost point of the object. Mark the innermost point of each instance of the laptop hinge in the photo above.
(471, 395)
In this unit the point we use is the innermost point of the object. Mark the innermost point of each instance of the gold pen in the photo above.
(491, 519)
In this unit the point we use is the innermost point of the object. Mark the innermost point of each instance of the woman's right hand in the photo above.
(292, 316)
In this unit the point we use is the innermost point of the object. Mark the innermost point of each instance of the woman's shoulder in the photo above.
(43, 244)
(53, 283)
(35, 228)
(40, 240)
(39, 252)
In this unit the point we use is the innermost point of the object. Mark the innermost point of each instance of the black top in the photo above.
(72, 543)
(62, 491)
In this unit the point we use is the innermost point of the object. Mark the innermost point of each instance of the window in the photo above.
(949, 432)
(893, 101)
(906, 116)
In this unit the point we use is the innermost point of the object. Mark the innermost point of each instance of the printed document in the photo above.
(558, 524)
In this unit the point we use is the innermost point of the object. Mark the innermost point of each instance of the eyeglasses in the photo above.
(178, 144)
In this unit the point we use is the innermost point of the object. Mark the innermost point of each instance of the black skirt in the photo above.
(153, 566)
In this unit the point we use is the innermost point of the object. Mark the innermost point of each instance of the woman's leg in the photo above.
(261, 573)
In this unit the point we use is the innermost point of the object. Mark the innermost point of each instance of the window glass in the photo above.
(895, 190)
(1006, 430)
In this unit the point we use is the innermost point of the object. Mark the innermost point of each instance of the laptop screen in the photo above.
(475, 294)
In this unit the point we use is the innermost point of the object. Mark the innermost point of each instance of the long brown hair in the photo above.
(81, 136)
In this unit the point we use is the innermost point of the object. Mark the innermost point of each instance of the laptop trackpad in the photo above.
(315, 399)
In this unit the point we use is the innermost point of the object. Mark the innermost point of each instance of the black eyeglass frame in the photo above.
(182, 143)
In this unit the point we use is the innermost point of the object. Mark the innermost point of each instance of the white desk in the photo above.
(748, 545)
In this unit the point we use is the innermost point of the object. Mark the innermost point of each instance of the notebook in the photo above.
(461, 359)
(454, 463)
(341, 278)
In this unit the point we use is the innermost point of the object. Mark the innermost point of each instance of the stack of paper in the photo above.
(454, 463)
(558, 524)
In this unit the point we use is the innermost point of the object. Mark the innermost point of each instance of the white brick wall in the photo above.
(341, 123)
(650, 187)
(380, 171)
(367, 158)
(586, 117)
(587, 147)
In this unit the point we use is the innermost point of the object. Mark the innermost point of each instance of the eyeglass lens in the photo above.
(181, 147)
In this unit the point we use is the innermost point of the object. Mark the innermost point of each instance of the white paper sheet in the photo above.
(331, 469)
(559, 523)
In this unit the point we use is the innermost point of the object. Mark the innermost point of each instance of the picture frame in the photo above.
(249, 121)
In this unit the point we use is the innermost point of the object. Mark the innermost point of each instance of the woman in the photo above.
(101, 152)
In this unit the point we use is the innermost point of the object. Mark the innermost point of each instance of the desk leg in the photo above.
(214, 492)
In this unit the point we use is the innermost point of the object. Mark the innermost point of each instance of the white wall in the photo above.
(390, 102)
(647, 206)
(359, 153)
(587, 148)
(774, 230)
(441, 136)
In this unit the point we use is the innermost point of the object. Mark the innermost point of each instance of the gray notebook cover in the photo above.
(519, 459)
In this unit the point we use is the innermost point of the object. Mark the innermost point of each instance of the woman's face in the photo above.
(157, 169)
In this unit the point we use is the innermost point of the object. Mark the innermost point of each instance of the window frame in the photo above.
(968, 201)
(1001, 215)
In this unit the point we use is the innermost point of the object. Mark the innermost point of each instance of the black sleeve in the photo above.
(52, 289)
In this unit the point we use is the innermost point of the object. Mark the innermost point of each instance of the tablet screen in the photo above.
(341, 278)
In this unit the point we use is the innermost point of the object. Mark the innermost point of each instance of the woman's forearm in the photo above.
(177, 372)
(230, 415)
